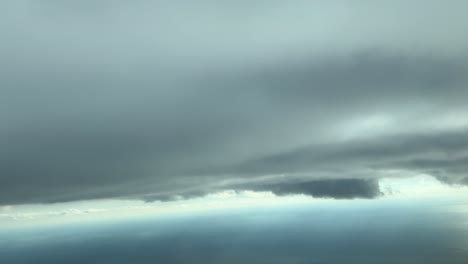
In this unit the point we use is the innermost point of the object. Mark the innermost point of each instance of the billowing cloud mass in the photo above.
(157, 99)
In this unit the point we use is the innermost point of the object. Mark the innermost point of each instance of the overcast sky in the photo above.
(159, 100)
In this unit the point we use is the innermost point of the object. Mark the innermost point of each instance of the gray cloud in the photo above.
(159, 100)
(321, 188)
(415, 151)
(335, 188)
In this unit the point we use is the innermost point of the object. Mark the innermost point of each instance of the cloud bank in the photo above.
(138, 100)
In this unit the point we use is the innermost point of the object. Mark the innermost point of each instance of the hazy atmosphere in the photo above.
(233, 131)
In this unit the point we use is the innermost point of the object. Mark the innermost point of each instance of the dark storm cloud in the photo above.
(324, 188)
(166, 100)
(335, 188)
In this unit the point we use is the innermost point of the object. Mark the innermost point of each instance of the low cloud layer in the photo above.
(140, 100)
(336, 188)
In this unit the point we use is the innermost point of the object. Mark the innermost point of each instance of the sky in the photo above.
(155, 100)
(108, 107)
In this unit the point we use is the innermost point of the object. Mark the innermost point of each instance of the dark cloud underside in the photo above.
(163, 100)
